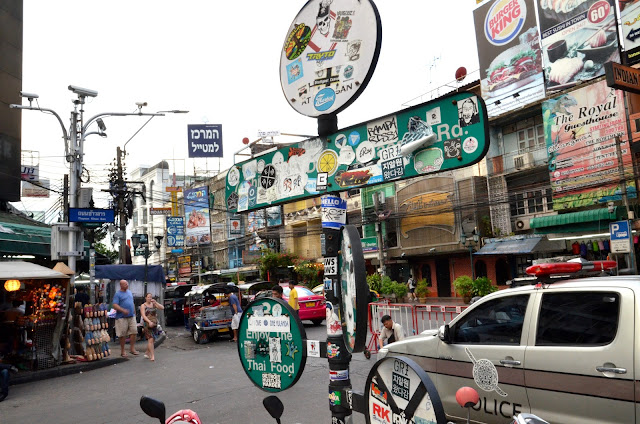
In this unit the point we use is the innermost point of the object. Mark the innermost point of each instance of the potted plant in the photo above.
(400, 290)
(386, 288)
(463, 286)
(482, 286)
(422, 290)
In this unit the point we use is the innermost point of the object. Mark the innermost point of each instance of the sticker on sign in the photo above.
(331, 266)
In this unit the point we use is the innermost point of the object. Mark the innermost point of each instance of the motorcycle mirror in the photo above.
(153, 408)
(274, 406)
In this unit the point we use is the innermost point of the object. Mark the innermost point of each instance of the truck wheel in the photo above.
(199, 336)
(317, 321)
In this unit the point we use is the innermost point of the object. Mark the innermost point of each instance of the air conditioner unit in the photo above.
(523, 161)
(522, 224)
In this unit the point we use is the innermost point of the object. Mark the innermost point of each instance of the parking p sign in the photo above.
(620, 237)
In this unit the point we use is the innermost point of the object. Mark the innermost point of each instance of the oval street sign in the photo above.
(271, 344)
(400, 391)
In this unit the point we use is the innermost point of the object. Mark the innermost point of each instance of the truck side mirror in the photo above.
(444, 334)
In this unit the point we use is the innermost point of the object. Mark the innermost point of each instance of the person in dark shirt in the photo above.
(81, 296)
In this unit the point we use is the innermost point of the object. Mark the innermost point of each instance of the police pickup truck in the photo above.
(565, 350)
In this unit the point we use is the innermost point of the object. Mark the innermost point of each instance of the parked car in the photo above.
(312, 306)
(174, 298)
(566, 350)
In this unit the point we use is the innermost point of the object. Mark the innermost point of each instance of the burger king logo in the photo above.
(504, 21)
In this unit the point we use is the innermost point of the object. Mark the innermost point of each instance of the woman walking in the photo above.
(148, 311)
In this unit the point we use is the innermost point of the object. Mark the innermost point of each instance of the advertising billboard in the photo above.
(196, 209)
(36, 189)
(175, 231)
(578, 38)
(274, 216)
(255, 221)
(205, 141)
(509, 54)
(580, 129)
(629, 16)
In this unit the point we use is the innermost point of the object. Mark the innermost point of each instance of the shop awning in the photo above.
(22, 239)
(575, 222)
(155, 273)
(27, 271)
(520, 245)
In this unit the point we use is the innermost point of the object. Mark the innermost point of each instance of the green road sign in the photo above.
(271, 344)
(444, 134)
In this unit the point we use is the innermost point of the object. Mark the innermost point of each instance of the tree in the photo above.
(270, 261)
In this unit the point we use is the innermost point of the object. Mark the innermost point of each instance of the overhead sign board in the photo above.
(620, 237)
(36, 189)
(160, 211)
(622, 77)
(329, 54)
(271, 344)
(30, 173)
(441, 135)
(91, 215)
(205, 141)
(267, 134)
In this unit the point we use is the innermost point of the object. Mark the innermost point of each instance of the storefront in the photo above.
(34, 300)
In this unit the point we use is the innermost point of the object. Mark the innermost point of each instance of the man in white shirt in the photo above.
(391, 332)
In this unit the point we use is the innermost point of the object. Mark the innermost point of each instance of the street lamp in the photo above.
(137, 240)
(470, 244)
(74, 144)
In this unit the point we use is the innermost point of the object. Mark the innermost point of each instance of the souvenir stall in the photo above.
(32, 314)
(138, 285)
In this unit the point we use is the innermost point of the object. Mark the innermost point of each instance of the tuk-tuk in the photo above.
(209, 312)
(248, 291)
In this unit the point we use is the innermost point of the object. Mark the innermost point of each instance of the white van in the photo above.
(565, 351)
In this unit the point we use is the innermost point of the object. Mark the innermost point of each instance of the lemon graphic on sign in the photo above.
(328, 162)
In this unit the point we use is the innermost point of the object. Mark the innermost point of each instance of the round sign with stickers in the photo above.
(354, 290)
(271, 346)
(329, 54)
(399, 390)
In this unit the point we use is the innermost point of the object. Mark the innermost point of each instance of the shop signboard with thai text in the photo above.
(580, 131)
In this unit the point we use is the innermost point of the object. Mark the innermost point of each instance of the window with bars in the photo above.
(531, 138)
(532, 201)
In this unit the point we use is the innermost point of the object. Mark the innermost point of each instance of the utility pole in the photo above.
(65, 197)
(376, 203)
(121, 210)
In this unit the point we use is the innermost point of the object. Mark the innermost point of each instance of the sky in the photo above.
(218, 60)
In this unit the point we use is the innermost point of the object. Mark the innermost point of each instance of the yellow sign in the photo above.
(174, 203)
(173, 189)
(434, 209)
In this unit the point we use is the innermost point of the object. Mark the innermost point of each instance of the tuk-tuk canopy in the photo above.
(211, 288)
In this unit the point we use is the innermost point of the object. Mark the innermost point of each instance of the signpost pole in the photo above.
(625, 199)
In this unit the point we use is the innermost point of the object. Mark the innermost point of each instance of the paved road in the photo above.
(206, 378)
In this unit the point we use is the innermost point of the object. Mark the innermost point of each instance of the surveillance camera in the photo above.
(28, 95)
(403, 255)
(83, 92)
(140, 104)
(433, 249)
(101, 124)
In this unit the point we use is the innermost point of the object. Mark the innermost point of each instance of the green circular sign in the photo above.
(271, 346)
(354, 290)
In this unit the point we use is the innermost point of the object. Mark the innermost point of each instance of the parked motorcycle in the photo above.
(156, 409)
(468, 397)
(274, 406)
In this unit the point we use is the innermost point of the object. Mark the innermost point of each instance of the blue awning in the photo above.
(155, 273)
(521, 246)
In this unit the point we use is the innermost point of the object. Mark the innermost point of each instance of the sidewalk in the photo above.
(62, 370)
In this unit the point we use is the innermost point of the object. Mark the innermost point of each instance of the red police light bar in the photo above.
(541, 270)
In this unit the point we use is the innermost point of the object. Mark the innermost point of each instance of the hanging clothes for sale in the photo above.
(575, 248)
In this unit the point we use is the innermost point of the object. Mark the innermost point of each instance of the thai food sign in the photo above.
(578, 38)
(196, 209)
(580, 131)
(509, 54)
